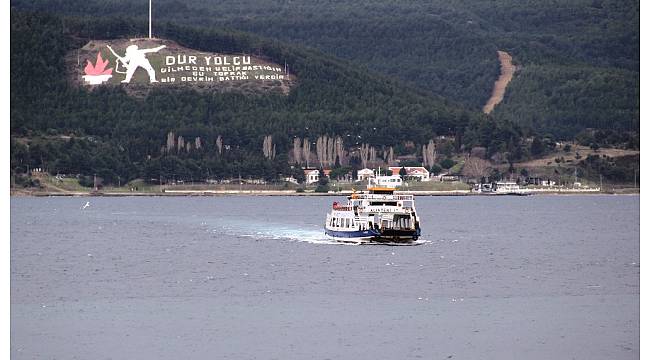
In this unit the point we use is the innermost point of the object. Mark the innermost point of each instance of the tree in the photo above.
(523, 172)
(537, 148)
(435, 169)
(298, 174)
(475, 167)
(402, 172)
(429, 154)
(340, 172)
(268, 148)
(323, 182)
(447, 163)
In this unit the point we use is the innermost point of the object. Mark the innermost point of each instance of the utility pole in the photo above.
(601, 182)
(149, 19)
(635, 178)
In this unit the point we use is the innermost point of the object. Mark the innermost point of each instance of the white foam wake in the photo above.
(272, 231)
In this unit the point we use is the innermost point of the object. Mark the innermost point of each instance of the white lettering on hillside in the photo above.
(191, 68)
(138, 62)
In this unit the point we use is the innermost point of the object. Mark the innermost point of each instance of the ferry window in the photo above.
(385, 203)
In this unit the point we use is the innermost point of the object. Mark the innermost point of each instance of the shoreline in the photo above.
(26, 193)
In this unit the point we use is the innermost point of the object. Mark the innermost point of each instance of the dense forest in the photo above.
(337, 104)
(578, 60)
(66, 129)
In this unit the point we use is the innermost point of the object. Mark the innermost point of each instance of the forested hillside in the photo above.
(578, 60)
(72, 130)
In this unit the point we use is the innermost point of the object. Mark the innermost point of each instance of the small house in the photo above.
(414, 172)
(365, 174)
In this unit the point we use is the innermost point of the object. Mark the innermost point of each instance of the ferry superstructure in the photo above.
(377, 215)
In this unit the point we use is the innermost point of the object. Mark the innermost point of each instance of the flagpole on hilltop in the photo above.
(149, 19)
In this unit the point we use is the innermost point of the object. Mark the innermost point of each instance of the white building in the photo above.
(365, 174)
(311, 176)
(417, 172)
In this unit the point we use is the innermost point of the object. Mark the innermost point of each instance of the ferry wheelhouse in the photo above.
(377, 215)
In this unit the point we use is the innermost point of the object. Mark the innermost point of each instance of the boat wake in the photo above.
(270, 231)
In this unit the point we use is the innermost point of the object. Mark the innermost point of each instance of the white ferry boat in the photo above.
(510, 188)
(500, 188)
(378, 215)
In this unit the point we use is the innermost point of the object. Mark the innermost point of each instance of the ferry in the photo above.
(500, 188)
(376, 215)
(510, 188)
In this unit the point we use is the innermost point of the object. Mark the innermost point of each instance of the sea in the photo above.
(254, 277)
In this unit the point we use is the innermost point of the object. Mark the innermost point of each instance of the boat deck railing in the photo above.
(383, 197)
(341, 207)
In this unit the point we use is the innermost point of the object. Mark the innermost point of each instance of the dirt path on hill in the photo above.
(507, 71)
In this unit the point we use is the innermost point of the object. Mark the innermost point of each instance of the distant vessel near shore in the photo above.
(500, 188)
(378, 215)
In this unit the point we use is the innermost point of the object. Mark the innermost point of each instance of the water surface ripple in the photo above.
(538, 277)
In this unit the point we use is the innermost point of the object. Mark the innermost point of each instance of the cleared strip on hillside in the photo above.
(507, 71)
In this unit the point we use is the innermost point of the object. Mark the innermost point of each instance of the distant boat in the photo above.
(378, 215)
(510, 188)
(501, 188)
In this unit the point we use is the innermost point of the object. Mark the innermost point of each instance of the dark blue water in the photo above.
(538, 277)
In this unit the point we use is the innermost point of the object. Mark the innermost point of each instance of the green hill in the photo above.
(578, 59)
(69, 129)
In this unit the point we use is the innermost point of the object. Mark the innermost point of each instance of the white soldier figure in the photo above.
(135, 58)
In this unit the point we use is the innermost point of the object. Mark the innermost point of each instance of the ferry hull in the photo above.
(375, 235)
(353, 235)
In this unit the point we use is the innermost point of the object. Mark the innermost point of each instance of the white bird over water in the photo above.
(85, 206)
